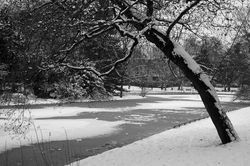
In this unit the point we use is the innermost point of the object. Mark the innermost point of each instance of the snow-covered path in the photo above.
(193, 144)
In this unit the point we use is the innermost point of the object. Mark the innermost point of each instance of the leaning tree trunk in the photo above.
(200, 80)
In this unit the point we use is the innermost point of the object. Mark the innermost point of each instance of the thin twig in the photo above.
(171, 69)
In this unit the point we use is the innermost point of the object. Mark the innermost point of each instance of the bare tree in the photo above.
(159, 22)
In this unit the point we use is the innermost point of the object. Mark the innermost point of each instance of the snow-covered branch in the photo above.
(82, 68)
(92, 33)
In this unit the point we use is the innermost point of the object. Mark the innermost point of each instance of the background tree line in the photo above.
(34, 40)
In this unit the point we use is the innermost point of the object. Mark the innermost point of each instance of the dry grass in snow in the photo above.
(59, 129)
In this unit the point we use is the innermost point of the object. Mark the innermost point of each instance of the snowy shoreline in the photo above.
(129, 93)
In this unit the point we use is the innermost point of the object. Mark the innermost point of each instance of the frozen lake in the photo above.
(94, 127)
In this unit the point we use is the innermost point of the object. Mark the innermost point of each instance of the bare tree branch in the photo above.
(185, 11)
(130, 50)
(125, 8)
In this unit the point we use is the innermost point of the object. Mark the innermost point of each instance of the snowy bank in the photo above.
(193, 144)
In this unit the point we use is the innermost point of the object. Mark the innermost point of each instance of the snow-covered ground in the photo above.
(194, 144)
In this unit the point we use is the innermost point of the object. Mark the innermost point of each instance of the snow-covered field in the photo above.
(190, 145)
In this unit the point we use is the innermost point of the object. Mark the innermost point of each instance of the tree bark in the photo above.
(200, 80)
